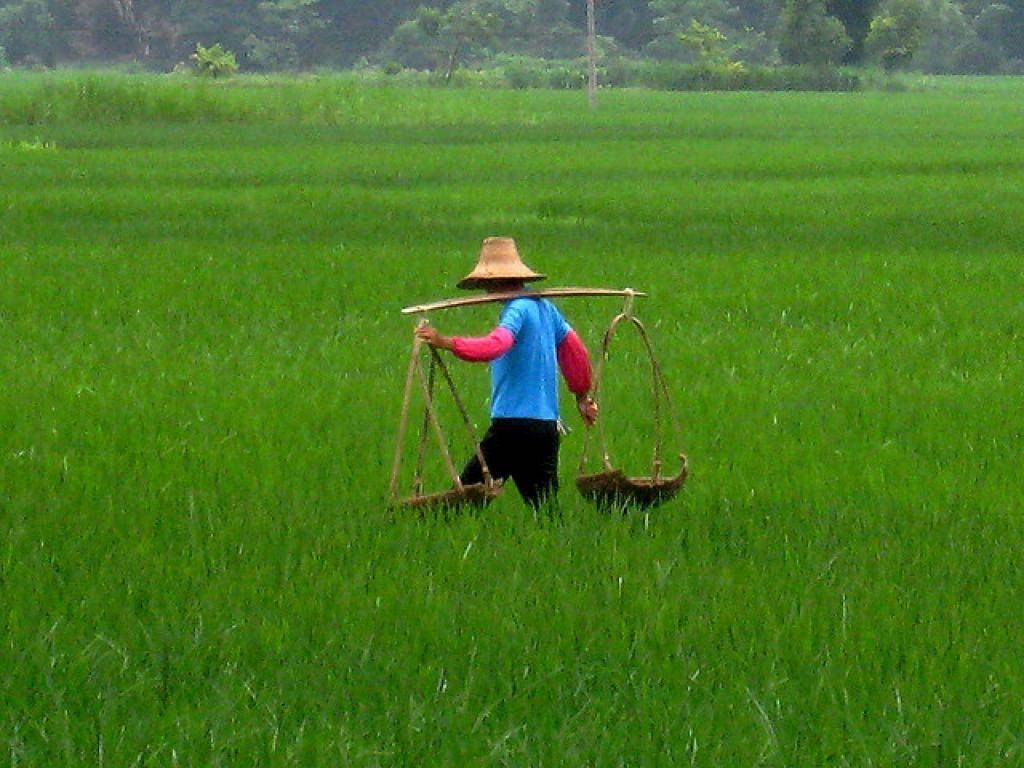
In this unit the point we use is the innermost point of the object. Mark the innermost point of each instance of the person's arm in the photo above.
(480, 349)
(574, 361)
(474, 349)
(483, 349)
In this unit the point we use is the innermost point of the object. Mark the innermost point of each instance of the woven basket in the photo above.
(479, 495)
(613, 489)
(459, 495)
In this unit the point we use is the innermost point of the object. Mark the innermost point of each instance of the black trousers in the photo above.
(525, 450)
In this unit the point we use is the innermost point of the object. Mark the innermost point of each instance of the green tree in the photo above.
(897, 32)
(856, 17)
(707, 43)
(442, 41)
(145, 29)
(946, 30)
(105, 29)
(809, 35)
(286, 34)
(467, 26)
(25, 28)
(742, 41)
(414, 43)
(362, 28)
(673, 18)
(1015, 31)
(631, 22)
(157, 37)
(990, 45)
(994, 26)
(228, 22)
(550, 33)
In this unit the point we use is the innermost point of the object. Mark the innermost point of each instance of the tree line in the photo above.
(971, 36)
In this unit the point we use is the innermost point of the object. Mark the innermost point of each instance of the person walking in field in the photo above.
(531, 342)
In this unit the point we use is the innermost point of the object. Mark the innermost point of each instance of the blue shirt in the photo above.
(524, 381)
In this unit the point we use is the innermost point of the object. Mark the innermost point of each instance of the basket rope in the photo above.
(421, 452)
(662, 399)
(431, 422)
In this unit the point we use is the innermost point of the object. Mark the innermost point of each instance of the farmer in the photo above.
(531, 340)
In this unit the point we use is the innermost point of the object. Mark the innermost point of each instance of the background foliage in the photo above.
(930, 35)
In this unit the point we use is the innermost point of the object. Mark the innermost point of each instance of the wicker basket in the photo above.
(478, 495)
(458, 495)
(614, 489)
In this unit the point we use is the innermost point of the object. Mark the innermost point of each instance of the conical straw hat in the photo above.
(499, 260)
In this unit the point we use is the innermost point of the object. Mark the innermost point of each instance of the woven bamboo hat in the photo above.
(499, 260)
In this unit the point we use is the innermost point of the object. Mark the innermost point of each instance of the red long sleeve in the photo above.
(483, 349)
(574, 360)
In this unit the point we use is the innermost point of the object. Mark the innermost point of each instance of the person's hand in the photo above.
(430, 335)
(588, 409)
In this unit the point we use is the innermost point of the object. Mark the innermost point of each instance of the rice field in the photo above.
(202, 361)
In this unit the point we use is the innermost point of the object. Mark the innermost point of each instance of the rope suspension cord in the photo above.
(431, 422)
(403, 421)
(428, 399)
(421, 453)
(470, 432)
(662, 403)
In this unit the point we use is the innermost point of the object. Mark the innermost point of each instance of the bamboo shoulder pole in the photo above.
(491, 298)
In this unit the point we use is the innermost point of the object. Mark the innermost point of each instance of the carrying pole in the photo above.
(491, 298)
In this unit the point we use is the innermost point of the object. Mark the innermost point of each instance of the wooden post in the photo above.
(592, 54)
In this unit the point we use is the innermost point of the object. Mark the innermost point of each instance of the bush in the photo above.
(529, 72)
(524, 72)
(467, 78)
(975, 57)
(215, 61)
(728, 76)
(878, 79)
(567, 76)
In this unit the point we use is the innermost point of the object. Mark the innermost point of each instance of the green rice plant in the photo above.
(202, 358)
(31, 145)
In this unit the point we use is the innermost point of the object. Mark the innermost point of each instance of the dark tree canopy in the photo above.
(296, 34)
(856, 16)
